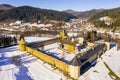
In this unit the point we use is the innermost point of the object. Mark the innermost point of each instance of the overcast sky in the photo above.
(79, 5)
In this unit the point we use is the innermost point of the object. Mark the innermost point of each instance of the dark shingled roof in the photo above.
(43, 43)
(75, 61)
(92, 52)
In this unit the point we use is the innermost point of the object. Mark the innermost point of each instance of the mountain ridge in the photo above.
(28, 13)
(83, 14)
(5, 6)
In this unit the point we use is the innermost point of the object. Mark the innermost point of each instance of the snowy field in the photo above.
(15, 65)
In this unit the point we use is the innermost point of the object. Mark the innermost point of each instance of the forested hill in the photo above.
(113, 14)
(83, 14)
(27, 13)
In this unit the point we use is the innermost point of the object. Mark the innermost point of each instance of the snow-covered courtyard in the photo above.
(16, 65)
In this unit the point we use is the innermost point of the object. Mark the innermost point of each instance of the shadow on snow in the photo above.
(18, 61)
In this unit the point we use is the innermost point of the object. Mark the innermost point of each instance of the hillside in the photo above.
(113, 14)
(27, 13)
(84, 14)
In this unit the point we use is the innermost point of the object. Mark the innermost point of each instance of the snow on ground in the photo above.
(36, 39)
(15, 65)
(100, 71)
(112, 58)
(53, 48)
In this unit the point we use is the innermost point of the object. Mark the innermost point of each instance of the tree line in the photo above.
(91, 36)
(7, 41)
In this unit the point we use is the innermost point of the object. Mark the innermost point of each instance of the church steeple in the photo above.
(63, 34)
